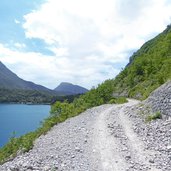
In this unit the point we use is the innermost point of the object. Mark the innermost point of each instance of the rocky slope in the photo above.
(160, 99)
(155, 135)
(104, 138)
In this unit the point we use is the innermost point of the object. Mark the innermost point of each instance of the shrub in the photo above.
(112, 101)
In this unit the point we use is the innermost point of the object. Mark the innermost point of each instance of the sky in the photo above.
(80, 41)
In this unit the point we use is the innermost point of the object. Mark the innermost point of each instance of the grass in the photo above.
(118, 100)
(154, 116)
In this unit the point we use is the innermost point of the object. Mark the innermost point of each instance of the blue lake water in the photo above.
(21, 119)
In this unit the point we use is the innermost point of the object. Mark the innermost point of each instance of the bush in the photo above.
(112, 101)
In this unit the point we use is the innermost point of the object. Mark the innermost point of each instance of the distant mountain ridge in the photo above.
(16, 90)
(70, 89)
(10, 80)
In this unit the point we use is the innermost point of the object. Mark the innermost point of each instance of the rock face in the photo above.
(160, 99)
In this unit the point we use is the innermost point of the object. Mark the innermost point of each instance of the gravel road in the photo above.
(100, 139)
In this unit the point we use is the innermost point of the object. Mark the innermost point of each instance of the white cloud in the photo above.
(17, 21)
(19, 45)
(88, 38)
(72, 23)
(51, 70)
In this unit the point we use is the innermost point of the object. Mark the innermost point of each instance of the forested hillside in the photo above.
(10, 80)
(13, 89)
(32, 96)
(148, 68)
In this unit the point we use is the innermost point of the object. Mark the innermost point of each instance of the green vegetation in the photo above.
(24, 96)
(154, 116)
(31, 96)
(25, 142)
(148, 68)
(118, 100)
(60, 111)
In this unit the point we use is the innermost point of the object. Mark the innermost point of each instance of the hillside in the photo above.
(10, 80)
(17, 90)
(70, 89)
(148, 68)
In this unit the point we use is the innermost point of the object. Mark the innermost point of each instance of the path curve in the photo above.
(119, 146)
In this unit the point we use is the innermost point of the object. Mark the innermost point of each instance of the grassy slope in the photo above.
(149, 67)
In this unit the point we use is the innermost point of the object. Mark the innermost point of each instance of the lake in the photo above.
(20, 118)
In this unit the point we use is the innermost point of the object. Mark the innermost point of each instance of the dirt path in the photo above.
(119, 146)
(100, 139)
(106, 144)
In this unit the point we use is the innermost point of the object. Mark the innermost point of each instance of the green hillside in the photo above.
(148, 68)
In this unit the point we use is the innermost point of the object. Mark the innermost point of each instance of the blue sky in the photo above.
(11, 20)
(82, 42)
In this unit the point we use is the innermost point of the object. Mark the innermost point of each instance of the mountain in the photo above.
(70, 89)
(148, 68)
(17, 90)
(9, 80)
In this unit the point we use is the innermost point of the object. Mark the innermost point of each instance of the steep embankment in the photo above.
(104, 138)
(148, 68)
(160, 99)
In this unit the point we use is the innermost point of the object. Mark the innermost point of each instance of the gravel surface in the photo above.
(104, 138)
